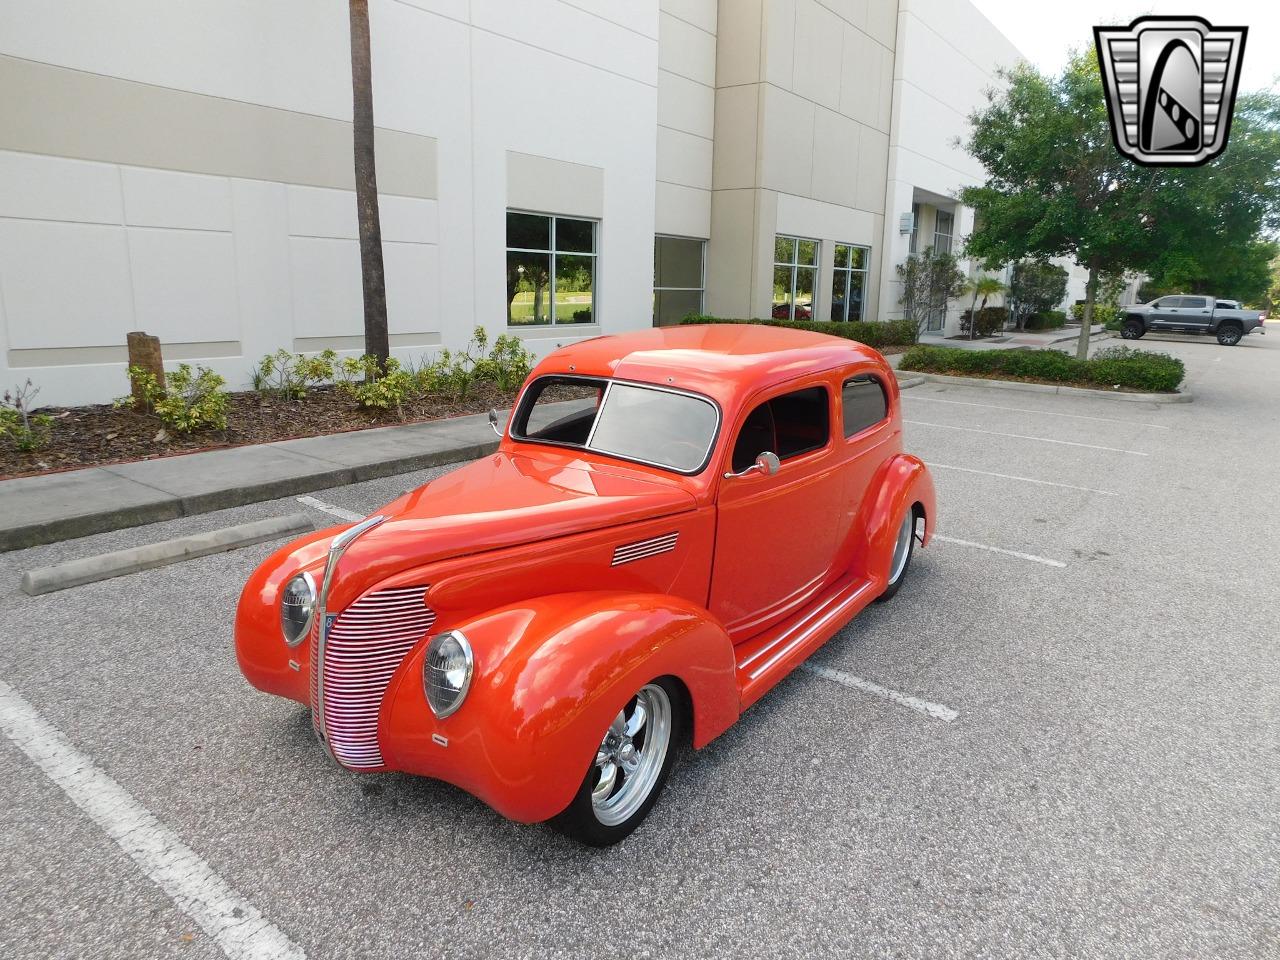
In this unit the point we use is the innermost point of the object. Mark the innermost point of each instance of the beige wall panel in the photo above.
(737, 116)
(819, 40)
(120, 121)
(861, 88)
(873, 169)
(685, 104)
(686, 50)
(779, 42)
(413, 287)
(882, 20)
(327, 298)
(554, 186)
(738, 27)
(682, 211)
(684, 159)
(787, 163)
(835, 158)
(162, 198)
(700, 13)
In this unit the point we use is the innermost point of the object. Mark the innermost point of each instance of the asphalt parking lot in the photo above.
(1102, 622)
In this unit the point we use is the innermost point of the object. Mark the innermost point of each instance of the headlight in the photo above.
(296, 605)
(446, 672)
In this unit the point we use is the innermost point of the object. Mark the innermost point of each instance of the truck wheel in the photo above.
(1229, 334)
(903, 547)
(1132, 330)
(630, 767)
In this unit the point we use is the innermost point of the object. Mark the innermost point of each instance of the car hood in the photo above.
(503, 500)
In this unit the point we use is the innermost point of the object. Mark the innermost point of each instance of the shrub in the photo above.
(373, 385)
(889, 333)
(1114, 367)
(190, 399)
(1046, 320)
(1103, 313)
(288, 375)
(27, 431)
(508, 363)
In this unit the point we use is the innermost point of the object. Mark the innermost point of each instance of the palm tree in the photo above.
(372, 275)
(986, 288)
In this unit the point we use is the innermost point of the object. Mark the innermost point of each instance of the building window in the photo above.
(849, 282)
(942, 227)
(795, 277)
(678, 279)
(551, 269)
(915, 228)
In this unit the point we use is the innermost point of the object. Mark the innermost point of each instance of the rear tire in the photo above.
(903, 548)
(1229, 334)
(1132, 330)
(630, 767)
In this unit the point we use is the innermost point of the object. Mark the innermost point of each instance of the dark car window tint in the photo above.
(789, 425)
(1197, 303)
(864, 403)
(560, 409)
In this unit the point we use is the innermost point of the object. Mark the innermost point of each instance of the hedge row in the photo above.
(890, 333)
(1116, 366)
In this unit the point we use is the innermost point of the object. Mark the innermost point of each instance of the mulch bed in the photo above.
(87, 436)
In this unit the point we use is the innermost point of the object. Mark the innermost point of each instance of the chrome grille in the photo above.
(644, 548)
(362, 650)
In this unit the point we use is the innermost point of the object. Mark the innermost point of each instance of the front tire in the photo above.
(1132, 330)
(630, 767)
(904, 546)
(1229, 334)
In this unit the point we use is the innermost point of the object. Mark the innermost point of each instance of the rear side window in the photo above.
(1193, 302)
(789, 425)
(864, 403)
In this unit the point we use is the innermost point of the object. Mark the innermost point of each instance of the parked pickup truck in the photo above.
(1191, 314)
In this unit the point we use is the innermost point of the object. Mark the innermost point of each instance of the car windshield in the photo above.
(652, 425)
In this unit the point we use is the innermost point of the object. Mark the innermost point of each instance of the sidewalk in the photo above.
(1016, 339)
(77, 503)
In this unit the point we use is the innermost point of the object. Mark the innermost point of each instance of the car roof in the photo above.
(720, 360)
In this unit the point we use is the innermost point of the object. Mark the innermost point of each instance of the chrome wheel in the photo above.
(631, 756)
(902, 548)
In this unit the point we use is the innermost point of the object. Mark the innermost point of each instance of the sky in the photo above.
(1046, 31)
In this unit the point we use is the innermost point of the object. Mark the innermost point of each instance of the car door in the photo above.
(776, 535)
(1197, 313)
(1165, 312)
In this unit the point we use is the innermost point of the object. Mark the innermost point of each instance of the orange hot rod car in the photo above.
(673, 520)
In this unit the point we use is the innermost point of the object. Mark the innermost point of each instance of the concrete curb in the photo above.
(906, 381)
(1184, 397)
(75, 573)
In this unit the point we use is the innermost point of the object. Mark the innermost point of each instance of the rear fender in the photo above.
(900, 483)
(550, 674)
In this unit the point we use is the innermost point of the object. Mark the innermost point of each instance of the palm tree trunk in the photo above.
(372, 276)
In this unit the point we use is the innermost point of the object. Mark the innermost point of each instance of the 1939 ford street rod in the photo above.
(673, 520)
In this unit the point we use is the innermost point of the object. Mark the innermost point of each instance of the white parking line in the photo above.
(234, 923)
(1045, 413)
(1009, 476)
(329, 508)
(1023, 436)
(1008, 553)
(935, 710)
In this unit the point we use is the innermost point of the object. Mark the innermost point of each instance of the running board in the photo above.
(766, 659)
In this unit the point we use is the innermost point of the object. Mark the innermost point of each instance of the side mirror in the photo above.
(493, 422)
(767, 463)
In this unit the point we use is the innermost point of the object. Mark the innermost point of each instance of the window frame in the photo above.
(949, 235)
(795, 266)
(848, 272)
(888, 406)
(785, 390)
(520, 418)
(702, 279)
(552, 254)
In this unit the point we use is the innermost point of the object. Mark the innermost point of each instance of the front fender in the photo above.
(550, 674)
(901, 482)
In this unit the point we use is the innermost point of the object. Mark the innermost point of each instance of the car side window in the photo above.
(863, 402)
(790, 425)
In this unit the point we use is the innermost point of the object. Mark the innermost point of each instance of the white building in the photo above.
(560, 168)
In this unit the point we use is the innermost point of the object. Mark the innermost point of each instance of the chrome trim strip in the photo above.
(644, 548)
(805, 632)
(336, 549)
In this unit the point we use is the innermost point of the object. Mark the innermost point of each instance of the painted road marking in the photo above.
(1008, 553)
(1023, 436)
(1009, 476)
(233, 923)
(935, 710)
(1046, 413)
(348, 515)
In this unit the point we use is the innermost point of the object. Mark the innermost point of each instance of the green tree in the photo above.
(986, 288)
(372, 275)
(930, 280)
(1035, 286)
(1056, 185)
